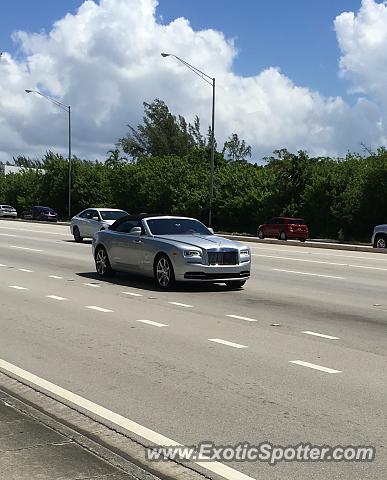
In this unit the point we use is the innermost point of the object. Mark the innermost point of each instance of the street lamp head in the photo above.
(165, 55)
(28, 91)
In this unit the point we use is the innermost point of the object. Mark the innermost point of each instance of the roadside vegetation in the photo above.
(163, 165)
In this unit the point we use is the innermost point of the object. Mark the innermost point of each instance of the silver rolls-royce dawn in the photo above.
(170, 249)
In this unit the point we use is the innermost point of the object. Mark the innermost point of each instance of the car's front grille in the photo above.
(223, 258)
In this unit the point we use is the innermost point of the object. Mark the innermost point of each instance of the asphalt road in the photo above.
(174, 374)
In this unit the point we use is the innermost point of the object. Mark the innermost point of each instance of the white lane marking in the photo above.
(16, 287)
(132, 294)
(317, 252)
(25, 248)
(2, 265)
(369, 268)
(24, 270)
(8, 235)
(114, 418)
(242, 318)
(99, 309)
(34, 231)
(306, 273)
(180, 304)
(302, 260)
(93, 285)
(307, 332)
(56, 277)
(225, 342)
(55, 297)
(155, 324)
(314, 366)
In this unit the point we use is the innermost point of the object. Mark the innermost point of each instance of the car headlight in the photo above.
(192, 253)
(245, 253)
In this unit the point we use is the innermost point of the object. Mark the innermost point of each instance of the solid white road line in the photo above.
(307, 332)
(93, 285)
(35, 231)
(8, 235)
(242, 318)
(56, 277)
(180, 304)
(225, 342)
(155, 324)
(24, 270)
(314, 366)
(111, 417)
(132, 294)
(99, 309)
(306, 273)
(300, 260)
(16, 287)
(55, 297)
(25, 248)
(2, 265)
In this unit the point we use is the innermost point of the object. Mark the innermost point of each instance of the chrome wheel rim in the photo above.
(260, 234)
(283, 236)
(381, 243)
(101, 261)
(163, 272)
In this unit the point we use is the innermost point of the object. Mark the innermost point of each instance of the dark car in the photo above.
(40, 213)
(284, 228)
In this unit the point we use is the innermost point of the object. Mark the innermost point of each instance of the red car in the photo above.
(284, 228)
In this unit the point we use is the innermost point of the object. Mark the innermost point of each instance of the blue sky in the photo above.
(281, 90)
(295, 35)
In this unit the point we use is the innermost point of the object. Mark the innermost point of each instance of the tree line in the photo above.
(162, 166)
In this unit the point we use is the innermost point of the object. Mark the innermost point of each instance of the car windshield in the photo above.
(6, 207)
(177, 226)
(46, 210)
(112, 214)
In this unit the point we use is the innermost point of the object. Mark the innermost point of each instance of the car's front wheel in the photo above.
(235, 284)
(163, 272)
(380, 241)
(283, 236)
(77, 235)
(261, 234)
(102, 263)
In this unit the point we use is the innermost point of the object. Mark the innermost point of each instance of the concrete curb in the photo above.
(310, 244)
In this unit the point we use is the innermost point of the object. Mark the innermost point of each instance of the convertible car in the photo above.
(170, 249)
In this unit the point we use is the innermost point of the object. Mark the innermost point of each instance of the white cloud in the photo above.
(105, 61)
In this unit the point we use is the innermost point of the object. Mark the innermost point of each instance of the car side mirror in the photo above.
(135, 231)
(211, 230)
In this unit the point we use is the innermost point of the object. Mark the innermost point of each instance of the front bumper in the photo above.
(8, 214)
(212, 273)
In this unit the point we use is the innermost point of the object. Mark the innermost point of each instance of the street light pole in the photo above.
(67, 108)
(210, 81)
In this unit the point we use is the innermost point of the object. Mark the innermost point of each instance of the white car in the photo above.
(379, 236)
(7, 211)
(87, 223)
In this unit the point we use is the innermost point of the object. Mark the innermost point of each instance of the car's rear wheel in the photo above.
(261, 234)
(235, 284)
(283, 236)
(102, 263)
(302, 239)
(77, 235)
(163, 272)
(380, 241)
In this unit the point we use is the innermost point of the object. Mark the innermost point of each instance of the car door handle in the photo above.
(136, 241)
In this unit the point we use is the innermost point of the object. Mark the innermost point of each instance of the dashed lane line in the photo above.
(314, 366)
(25, 248)
(55, 297)
(99, 309)
(180, 304)
(17, 287)
(307, 274)
(322, 335)
(227, 343)
(132, 294)
(247, 319)
(154, 324)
